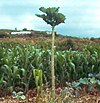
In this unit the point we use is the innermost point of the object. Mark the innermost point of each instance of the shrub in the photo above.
(70, 44)
(4, 34)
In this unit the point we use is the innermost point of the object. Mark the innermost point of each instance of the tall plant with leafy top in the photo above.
(52, 17)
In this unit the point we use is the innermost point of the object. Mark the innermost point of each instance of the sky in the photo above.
(82, 16)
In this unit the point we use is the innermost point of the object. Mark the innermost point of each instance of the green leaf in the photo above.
(98, 82)
(98, 75)
(1, 80)
(42, 9)
(23, 71)
(40, 74)
(83, 81)
(23, 97)
(37, 80)
(93, 80)
(90, 88)
(34, 73)
(68, 83)
(51, 16)
(77, 84)
(19, 93)
(14, 93)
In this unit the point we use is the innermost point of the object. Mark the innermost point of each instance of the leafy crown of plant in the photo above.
(52, 16)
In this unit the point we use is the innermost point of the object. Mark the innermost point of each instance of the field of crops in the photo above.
(23, 66)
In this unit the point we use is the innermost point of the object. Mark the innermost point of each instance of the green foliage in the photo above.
(17, 62)
(91, 83)
(15, 67)
(73, 88)
(70, 44)
(4, 34)
(25, 29)
(43, 45)
(19, 95)
(62, 45)
(51, 16)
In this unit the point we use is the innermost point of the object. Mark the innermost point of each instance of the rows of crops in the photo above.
(17, 63)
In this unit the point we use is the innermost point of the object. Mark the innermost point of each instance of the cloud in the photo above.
(19, 22)
(82, 16)
(5, 21)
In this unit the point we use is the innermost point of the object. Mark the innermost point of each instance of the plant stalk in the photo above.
(52, 63)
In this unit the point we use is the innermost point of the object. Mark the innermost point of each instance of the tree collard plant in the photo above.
(90, 84)
(52, 17)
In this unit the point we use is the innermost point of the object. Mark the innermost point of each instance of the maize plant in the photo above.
(38, 80)
(17, 61)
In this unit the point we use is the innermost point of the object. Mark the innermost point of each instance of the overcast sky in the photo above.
(83, 16)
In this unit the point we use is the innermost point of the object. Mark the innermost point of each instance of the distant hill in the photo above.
(34, 33)
(7, 33)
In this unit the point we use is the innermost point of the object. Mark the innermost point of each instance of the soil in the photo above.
(91, 97)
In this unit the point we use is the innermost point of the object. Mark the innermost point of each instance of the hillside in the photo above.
(41, 39)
